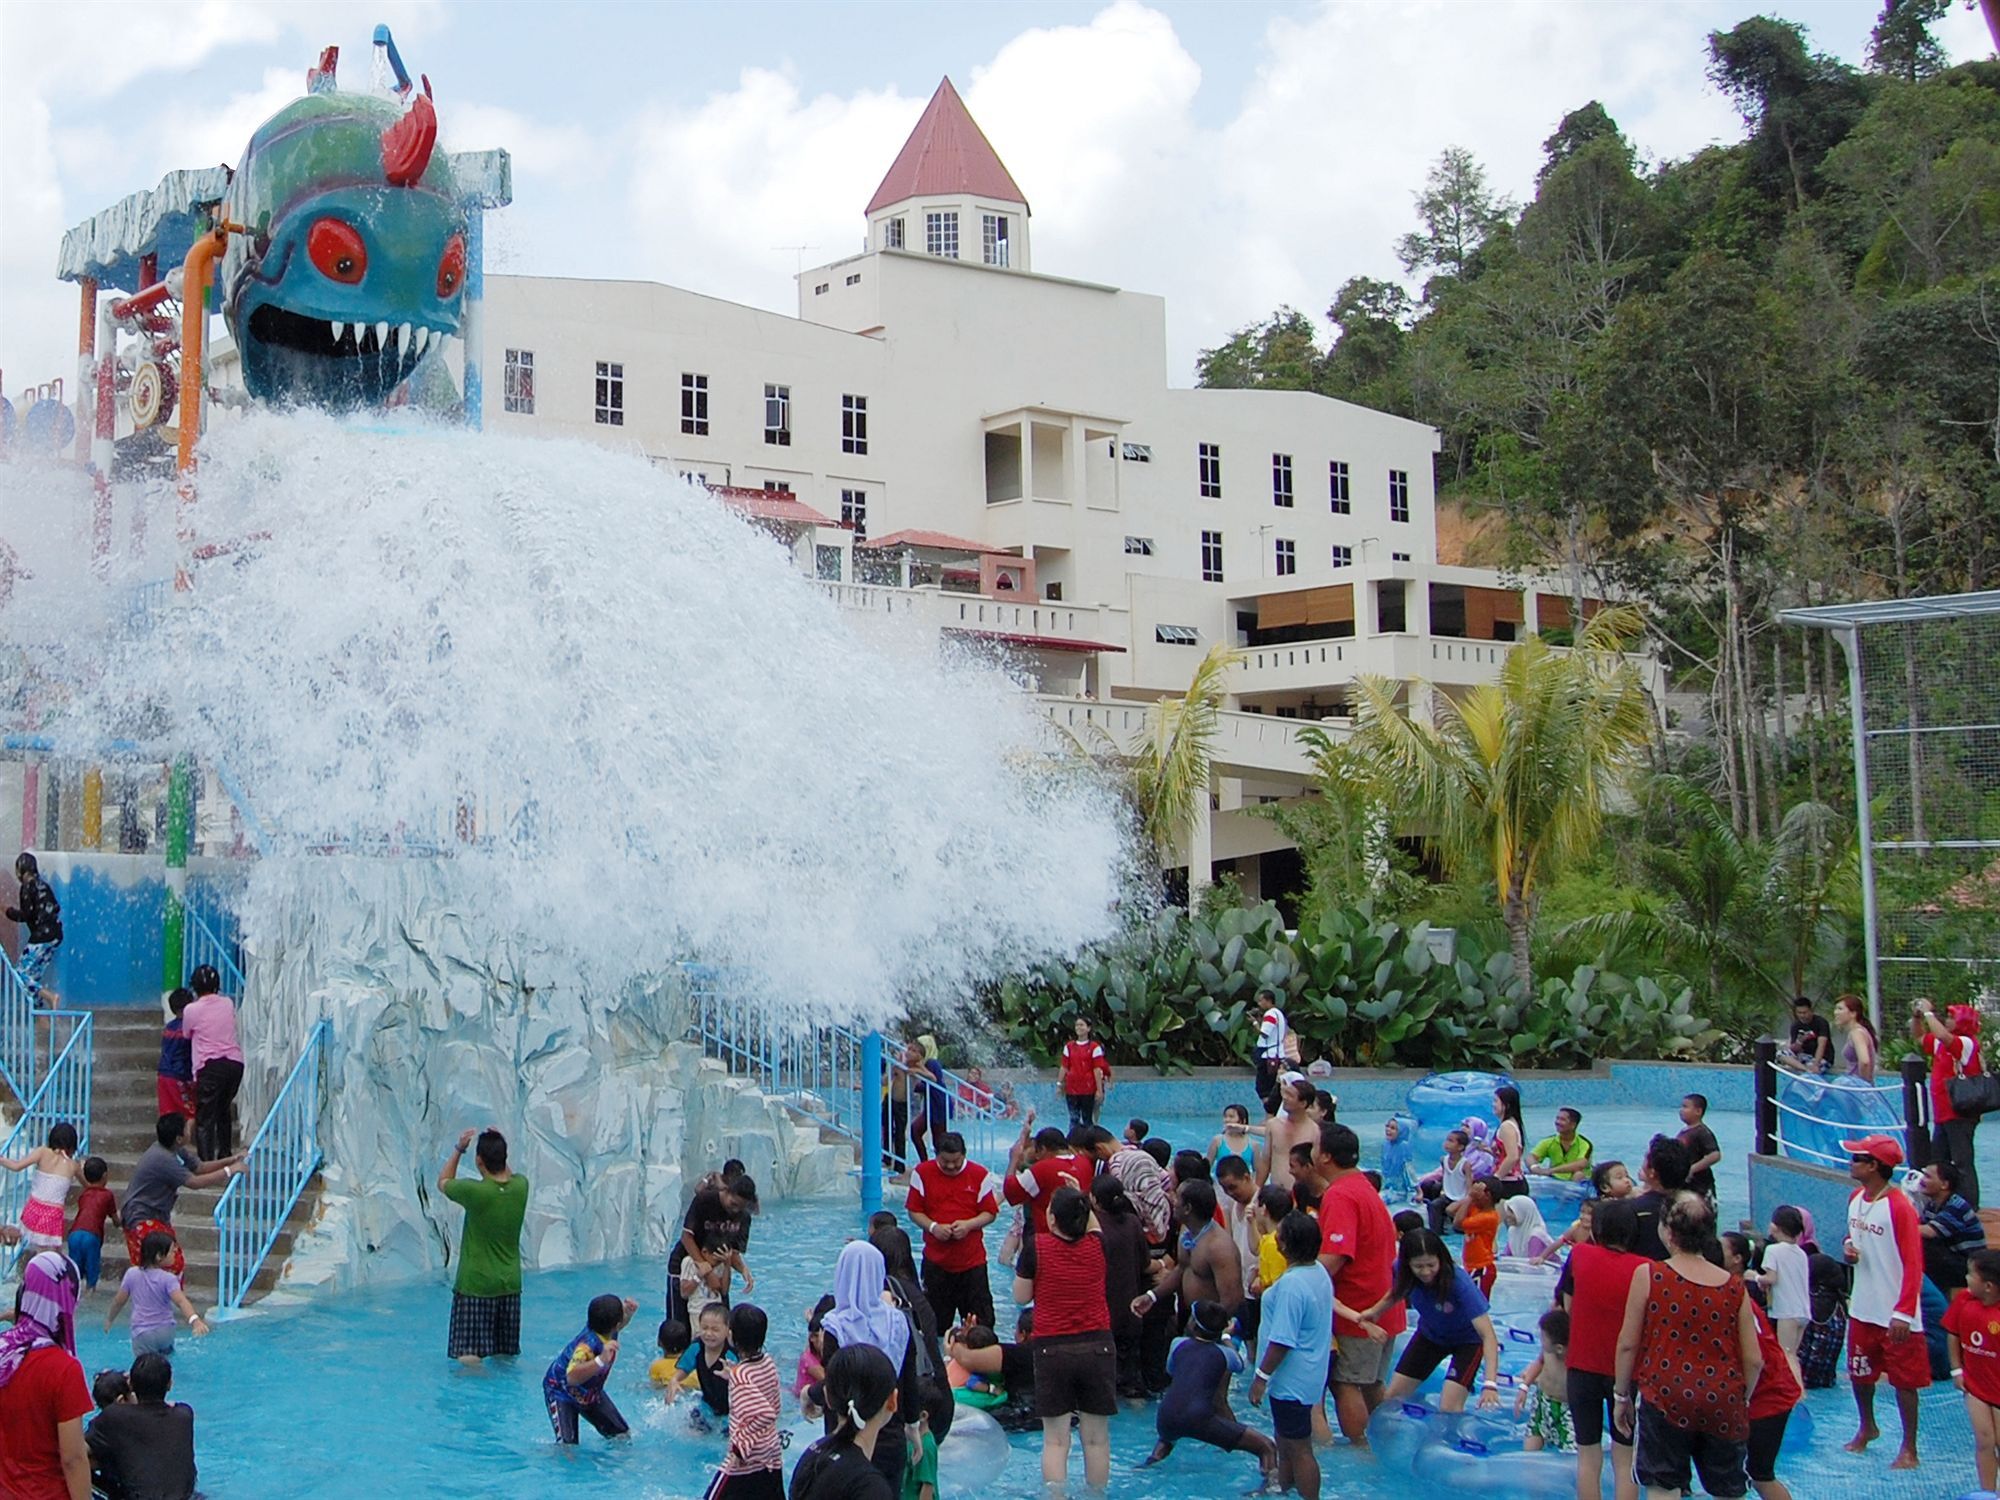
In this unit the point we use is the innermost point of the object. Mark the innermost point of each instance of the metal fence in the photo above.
(280, 1162)
(62, 1096)
(1924, 685)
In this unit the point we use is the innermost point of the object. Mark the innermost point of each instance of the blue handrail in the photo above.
(205, 946)
(63, 1096)
(18, 1032)
(817, 1070)
(280, 1162)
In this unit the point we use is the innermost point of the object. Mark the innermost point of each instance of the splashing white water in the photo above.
(679, 746)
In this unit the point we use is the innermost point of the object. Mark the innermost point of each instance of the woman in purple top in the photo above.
(210, 1023)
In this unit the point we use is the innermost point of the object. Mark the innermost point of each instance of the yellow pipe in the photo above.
(197, 271)
(93, 808)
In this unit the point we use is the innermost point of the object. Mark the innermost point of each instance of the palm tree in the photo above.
(1812, 882)
(1513, 780)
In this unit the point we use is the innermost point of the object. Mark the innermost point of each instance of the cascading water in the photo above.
(675, 744)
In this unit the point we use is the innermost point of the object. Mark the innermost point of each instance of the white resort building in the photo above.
(948, 432)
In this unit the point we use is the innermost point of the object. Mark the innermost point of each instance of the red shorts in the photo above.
(1485, 1276)
(176, 1095)
(135, 1236)
(1870, 1357)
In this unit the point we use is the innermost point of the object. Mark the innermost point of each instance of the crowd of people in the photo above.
(1262, 1270)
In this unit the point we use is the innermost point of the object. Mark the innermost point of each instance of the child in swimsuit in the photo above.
(1545, 1389)
(573, 1387)
(56, 1168)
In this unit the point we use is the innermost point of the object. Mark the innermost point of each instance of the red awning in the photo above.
(935, 540)
(769, 505)
(1045, 642)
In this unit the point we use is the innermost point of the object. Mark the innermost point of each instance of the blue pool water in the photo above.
(350, 1397)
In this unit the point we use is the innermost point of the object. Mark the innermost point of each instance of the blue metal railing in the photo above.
(204, 945)
(280, 1162)
(62, 1096)
(817, 1070)
(18, 1032)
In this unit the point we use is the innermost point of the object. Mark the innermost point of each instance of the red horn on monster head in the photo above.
(407, 144)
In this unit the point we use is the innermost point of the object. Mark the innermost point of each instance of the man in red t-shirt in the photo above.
(1358, 1248)
(1037, 1167)
(952, 1201)
(1954, 1053)
(1085, 1073)
(43, 1398)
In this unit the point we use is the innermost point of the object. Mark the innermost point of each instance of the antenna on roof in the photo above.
(800, 252)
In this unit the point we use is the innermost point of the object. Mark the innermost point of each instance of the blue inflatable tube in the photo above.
(1443, 1100)
(1559, 1199)
(1816, 1114)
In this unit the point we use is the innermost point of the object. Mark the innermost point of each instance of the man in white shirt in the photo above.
(1272, 1029)
(1885, 1316)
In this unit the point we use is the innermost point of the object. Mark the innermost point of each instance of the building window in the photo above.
(778, 415)
(1136, 453)
(1343, 557)
(1052, 592)
(993, 239)
(1177, 635)
(610, 395)
(941, 235)
(854, 513)
(821, 289)
(854, 424)
(1211, 557)
(855, 279)
(1211, 471)
(1138, 546)
(892, 234)
(520, 381)
(694, 404)
(1287, 557)
(1399, 557)
(1281, 479)
(826, 563)
(777, 486)
(1336, 485)
(1399, 495)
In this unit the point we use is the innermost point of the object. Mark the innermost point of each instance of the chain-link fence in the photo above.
(1924, 681)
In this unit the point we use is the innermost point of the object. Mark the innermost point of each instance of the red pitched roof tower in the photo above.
(948, 193)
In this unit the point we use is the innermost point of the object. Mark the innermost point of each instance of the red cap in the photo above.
(1964, 1020)
(1882, 1147)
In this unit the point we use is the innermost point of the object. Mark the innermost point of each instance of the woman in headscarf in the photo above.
(43, 1397)
(863, 1313)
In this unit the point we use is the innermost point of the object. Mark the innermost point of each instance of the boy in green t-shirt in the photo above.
(920, 1478)
(486, 1296)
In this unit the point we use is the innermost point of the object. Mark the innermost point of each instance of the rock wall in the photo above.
(439, 1025)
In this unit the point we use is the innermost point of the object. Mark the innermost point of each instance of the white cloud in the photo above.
(537, 147)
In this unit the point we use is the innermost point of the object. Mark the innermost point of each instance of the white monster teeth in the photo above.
(338, 330)
(406, 346)
(423, 341)
(382, 334)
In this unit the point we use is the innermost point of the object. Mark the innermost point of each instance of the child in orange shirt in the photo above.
(1479, 1221)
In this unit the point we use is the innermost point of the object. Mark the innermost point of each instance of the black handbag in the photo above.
(1973, 1097)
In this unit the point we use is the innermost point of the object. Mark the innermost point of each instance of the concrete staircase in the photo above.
(123, 1112)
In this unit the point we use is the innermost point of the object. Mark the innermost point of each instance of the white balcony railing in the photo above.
(980, 613)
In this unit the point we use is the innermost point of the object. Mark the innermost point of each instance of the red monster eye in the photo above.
(451, 266)
(337, 251)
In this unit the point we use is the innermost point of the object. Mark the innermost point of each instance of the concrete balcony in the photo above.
(1447, 661)
(1078, 627)
(1253, 745)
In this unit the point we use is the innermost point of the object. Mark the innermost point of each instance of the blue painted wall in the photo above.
(113, 906)
(1778, 1180)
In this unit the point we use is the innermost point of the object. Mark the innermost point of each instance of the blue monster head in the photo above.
(351, 269)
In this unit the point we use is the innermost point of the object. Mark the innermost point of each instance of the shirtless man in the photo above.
(1292, 1124)
(1207, 1267)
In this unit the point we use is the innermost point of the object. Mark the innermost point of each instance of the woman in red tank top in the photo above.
(1689, 1347)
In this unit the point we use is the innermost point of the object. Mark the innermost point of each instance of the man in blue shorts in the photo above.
(1297, 1327)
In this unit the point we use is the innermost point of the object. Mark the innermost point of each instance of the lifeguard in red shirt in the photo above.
(1086, 1073)
(1885, 1317)
(1038, 1165)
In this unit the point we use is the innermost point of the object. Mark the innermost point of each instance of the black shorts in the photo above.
(1510, 1187)
(1076, 1373)
(483, 1326)
(1421, 1356)
(1589, 1408)
(1292, 1421)
(601, 1414)
(1668, 1457)
(758, 1484)
(1210, 1427)
(1766, 1435)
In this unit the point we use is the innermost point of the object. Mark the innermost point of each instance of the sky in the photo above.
(1230, 155)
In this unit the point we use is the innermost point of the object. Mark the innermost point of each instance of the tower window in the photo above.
(1336, 486)
(1281, 479)
(941, 235)
(778, 415)
(854, 424)
(610, 394)
(892, 234)
(1211, 557)
(1286, 561)
(993, 239)
(1209, 460)
(1399, 495)
(694, 404)
(520, 381)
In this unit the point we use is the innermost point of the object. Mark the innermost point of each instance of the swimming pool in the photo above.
(350, 1398)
